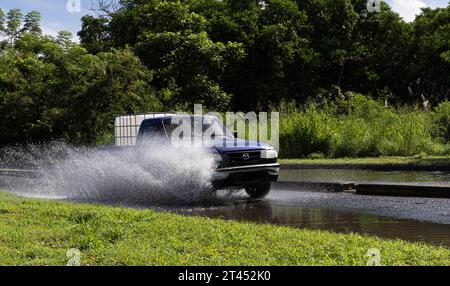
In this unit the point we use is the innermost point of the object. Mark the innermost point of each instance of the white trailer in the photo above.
(126, 127)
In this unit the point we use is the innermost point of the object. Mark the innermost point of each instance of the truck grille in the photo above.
(242, 158)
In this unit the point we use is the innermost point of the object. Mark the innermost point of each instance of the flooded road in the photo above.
(412, 219)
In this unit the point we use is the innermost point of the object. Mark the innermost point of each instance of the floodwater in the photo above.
(365, 176)
(411, 219)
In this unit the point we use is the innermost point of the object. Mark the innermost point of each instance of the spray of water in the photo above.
(154, 174)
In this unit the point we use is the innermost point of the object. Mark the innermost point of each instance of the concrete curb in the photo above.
(426, 191)
(392, 190)
(333, 187)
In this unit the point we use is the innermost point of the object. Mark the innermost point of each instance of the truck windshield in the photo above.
(211, 126)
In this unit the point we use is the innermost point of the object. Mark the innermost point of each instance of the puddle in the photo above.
(328, 219)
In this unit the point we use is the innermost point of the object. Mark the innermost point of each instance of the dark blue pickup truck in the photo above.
(242, 164)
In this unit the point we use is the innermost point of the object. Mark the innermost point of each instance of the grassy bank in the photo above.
(36, 232)
(377, 161)
(358, 126)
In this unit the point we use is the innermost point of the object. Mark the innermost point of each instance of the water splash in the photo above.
(155, 174)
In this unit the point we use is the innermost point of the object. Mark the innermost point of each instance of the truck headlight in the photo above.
(269, 154)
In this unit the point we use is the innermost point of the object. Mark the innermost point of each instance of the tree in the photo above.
(2, 29)
(49, 91)
(188, 67)
(108, 84)
(188, 64)
(2, 22)
(32, 23)
(291, 49)
(430, 63)
(64, 39)
(380, 52)
(280, 55)
(106, 8)
(13, 24)
(94, 34)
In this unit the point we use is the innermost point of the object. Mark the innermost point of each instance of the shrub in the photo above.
(316, 156)
(441, 121)
(366, 128)
(306, 131)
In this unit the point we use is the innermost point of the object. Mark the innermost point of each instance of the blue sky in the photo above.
(56, 17)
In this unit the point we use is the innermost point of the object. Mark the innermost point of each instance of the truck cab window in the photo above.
(151, 131)
(213, 126)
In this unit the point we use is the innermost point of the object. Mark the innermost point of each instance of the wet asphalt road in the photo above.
(420, 209)
(412, 219)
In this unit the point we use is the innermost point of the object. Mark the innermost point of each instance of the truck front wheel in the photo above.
(258, 191)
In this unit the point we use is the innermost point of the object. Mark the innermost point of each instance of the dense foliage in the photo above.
(258, 52)
(362, 127)
(52, 88)
(149, 55)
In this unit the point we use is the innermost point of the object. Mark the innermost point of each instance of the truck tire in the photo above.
(258, 191)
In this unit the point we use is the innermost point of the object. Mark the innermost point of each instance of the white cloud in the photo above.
(408, 9)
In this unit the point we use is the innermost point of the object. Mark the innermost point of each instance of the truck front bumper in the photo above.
(242, 176)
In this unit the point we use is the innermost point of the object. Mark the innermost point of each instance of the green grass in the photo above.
(38, 232)
(390, 161)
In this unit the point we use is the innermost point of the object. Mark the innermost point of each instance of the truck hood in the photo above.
(232, 145)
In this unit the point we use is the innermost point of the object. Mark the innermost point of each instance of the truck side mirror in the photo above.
(235, 134)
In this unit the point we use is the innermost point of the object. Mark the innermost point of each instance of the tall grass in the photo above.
(306, 131)
(441, 120)
(362, 127)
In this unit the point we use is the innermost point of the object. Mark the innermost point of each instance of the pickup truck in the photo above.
(242, 164)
